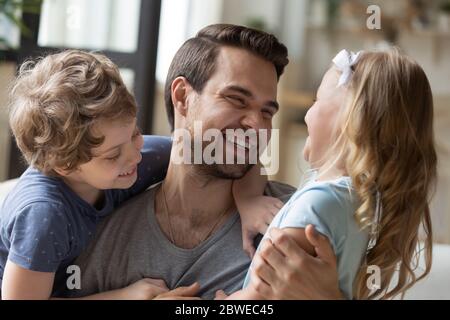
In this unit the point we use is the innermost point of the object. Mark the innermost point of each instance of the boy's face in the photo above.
(114, 162)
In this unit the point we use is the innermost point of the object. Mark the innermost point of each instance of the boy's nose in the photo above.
(134, 153)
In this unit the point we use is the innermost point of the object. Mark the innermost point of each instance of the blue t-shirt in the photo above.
(44, 225)
(329, 206)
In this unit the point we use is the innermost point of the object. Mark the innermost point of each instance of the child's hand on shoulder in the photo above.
(257, 213)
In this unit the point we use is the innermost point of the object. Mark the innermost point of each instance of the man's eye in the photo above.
(268, 114)
(236, 100)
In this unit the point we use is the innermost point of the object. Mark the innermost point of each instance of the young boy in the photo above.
(75, 123)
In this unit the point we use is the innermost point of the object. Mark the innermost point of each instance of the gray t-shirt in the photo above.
(130, 245)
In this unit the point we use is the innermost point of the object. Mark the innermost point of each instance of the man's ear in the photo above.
(180, 89)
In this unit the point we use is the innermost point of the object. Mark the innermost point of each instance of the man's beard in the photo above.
(224, 171)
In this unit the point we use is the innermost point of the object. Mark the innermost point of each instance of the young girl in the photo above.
(372, 152)
(75, 124)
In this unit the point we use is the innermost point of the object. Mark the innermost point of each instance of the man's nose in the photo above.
(253, 119)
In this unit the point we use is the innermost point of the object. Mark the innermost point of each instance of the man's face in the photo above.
(241, 94)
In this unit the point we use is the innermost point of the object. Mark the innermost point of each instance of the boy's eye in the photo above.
(113, 158)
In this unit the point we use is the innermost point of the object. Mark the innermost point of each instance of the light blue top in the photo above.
(330, 207)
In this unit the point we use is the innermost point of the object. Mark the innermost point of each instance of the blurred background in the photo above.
(142, 36)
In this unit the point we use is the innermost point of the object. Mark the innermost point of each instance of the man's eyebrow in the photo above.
(249, 94)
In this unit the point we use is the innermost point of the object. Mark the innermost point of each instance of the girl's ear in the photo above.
(180, 89)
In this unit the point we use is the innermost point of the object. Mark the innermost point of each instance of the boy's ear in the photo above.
(61, 172)
(180, 89)
(64, 172)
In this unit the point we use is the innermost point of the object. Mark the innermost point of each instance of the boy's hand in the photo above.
(256, 215)
(181, 293)
(220, 295)
(144, 289)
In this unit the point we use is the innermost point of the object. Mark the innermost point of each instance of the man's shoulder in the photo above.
(279, 190)
(130, 211)
(143, 198)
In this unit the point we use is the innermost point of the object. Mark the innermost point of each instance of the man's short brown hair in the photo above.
(196, 59)
(55, 102)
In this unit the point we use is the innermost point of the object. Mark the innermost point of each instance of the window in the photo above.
(125, 30)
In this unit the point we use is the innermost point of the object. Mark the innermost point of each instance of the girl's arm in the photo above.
(22, 284)
(256, 210)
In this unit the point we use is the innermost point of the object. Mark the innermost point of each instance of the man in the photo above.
(186, 229)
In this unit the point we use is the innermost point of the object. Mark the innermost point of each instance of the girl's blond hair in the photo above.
(386, 144)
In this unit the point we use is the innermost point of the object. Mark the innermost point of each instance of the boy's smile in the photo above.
(114, 162)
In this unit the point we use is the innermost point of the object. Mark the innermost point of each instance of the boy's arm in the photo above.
(23, 284)
(256, 210)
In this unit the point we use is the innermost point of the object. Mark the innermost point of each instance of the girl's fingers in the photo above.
(247, 244)
(278, 204)
(263, 228)
(274, 211)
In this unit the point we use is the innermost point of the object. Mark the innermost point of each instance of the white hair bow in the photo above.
(344, 61)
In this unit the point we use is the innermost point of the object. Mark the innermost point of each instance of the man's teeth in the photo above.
(239, 142)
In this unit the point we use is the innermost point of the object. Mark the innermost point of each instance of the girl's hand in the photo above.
(256, 214)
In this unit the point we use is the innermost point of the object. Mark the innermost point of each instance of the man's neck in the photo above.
(189, 205)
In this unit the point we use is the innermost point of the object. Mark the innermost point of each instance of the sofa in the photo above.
(435, 286)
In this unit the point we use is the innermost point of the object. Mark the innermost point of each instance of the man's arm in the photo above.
(283, 270)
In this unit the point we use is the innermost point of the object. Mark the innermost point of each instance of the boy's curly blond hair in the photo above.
(55, 102)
